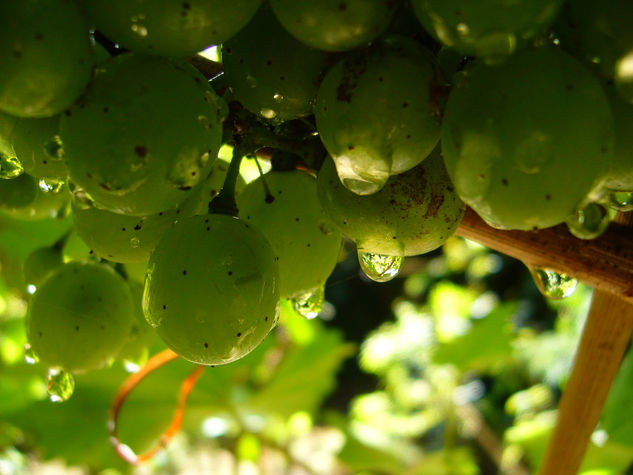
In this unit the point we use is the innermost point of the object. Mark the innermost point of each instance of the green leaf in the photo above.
(487, 342)
(619, 428)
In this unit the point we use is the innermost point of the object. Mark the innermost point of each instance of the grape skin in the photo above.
(79, 317)
(416, 211)
(304, 239)
(212, 289)
(511, 132)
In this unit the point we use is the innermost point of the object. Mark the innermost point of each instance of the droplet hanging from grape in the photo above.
(60, 385)
(51, 185)
(621, 200)
(30, 357)
(589, 222)
(379, 267)
(10, 167)
(552, 284)
(133, 364)
(310, 304)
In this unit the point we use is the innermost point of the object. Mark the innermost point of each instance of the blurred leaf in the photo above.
(619, 428)
(457, 461)
(304, 377)
(488, 342)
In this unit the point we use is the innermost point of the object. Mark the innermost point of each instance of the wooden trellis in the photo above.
(606, 264)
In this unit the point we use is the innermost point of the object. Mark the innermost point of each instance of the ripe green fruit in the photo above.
(512, 132)
(212, 289)
(304, 239)
(146, 131)
(45, 56)
(79, 317)
(415, 212)
(374, 113)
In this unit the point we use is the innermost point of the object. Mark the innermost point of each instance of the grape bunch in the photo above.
(381, 120)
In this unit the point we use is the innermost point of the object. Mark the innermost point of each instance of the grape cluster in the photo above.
(382, 119)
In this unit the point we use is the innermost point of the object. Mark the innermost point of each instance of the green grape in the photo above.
(41, 262)
(38, 147)
(119, 237)
(272, 74)
(511, 133)
(335, 25)
(492, 29)
(304, 239)
(619, 177)
(212, 289)
(79, 317)
(19, 192)
(48, 203)
(600, 34)
(170, 27)
(146, 131)
(414, 213)
(374, 113)
(45, 56)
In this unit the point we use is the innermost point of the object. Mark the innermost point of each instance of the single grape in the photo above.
(492, 29)
(414, 213)
(38, 147)
(600, 34)
(513, 132)
(304, 239)
(45, 56)
(374, 113)
(146, 131)
(212, 289)
(79, 317)
(170, 27)
(335, 25)
(272, 74)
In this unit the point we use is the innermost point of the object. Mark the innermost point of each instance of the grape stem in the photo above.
(225, 203)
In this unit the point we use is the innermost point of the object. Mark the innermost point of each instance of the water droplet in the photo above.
(463, 29)
(134, 364)
(552, 284)
(533, 152)
(268, 113)
(51, 185)
(140, 30)
(204, 121)
(30, 357)
(589, 222)
(310, 304)
(251, 81)
(10, 167)
(278, 97)
(59, 385)
(621, 200)
(379, 267)
(54, 148)
(135, 242)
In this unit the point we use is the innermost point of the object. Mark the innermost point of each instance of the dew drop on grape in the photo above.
(133, 364)
(379, 267)
(10, 167)
(310, 304)
(51, 185)
(589, 222)
(621, 200)
(553, 285)
(60, 385)
(30, 357)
